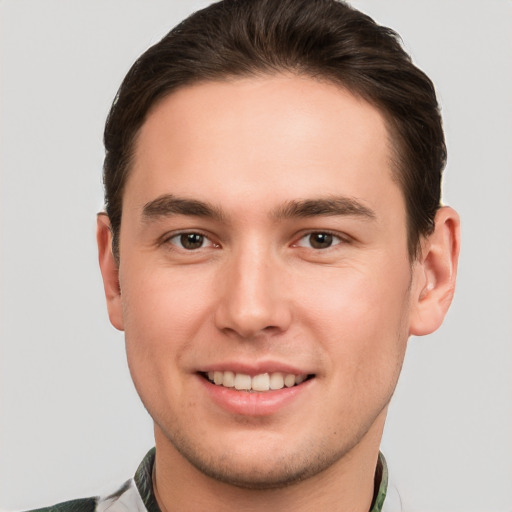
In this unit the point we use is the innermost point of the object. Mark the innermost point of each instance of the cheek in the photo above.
(163, 311)
(164, 306)
(360, 316)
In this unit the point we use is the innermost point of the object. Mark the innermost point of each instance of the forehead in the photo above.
(285, 136)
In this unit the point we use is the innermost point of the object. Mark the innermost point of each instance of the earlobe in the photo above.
(436, 274)
(109, 271)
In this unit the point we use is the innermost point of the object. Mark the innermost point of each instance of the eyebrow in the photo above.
(168, 205)
(336, 205)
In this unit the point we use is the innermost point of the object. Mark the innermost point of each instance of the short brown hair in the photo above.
(325, 39)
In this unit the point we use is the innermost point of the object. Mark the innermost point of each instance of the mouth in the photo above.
(263, 382)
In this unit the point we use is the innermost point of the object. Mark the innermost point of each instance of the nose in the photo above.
(253, 297)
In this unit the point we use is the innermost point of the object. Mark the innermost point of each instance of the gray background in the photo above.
(70, 422)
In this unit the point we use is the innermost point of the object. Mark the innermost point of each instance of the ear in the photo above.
(109, 271)
(435, 274)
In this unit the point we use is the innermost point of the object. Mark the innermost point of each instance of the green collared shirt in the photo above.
(137, 495)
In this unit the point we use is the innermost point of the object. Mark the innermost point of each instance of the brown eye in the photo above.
(191, 241)
(320, 240)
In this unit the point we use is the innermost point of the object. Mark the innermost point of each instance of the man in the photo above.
(273, 235)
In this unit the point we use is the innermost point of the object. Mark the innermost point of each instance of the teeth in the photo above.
(299, 378)
(242, 381)
(276, 381)
(229, 380)
(289, 381)
(261, 382)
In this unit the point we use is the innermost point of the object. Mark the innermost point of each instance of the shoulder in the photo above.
(135, 495)
(124, 499)
(81, 505)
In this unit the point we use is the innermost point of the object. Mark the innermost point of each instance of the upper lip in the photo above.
(255, 368)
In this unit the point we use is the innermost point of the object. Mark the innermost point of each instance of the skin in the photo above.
(257, 294)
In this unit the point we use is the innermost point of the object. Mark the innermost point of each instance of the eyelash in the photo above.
(334, 239)
(335, 236)
(168, 240)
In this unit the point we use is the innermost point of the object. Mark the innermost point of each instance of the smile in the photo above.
(261, 382)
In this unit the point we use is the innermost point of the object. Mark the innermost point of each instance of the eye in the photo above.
(190, 241)
(319, 240)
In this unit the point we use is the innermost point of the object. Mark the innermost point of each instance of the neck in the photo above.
(346, 485)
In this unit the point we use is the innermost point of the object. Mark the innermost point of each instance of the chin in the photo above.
(264, 465)
(272, 473)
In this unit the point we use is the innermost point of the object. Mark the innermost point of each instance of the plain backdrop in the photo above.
(71, 424)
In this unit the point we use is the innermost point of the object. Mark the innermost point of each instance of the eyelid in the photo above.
(342, 238)
(167, 237)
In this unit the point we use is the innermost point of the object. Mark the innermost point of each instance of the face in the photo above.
(265, 285)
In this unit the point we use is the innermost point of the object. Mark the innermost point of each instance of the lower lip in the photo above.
(253, 403)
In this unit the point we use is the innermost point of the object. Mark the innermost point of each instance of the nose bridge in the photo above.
(253, 297)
